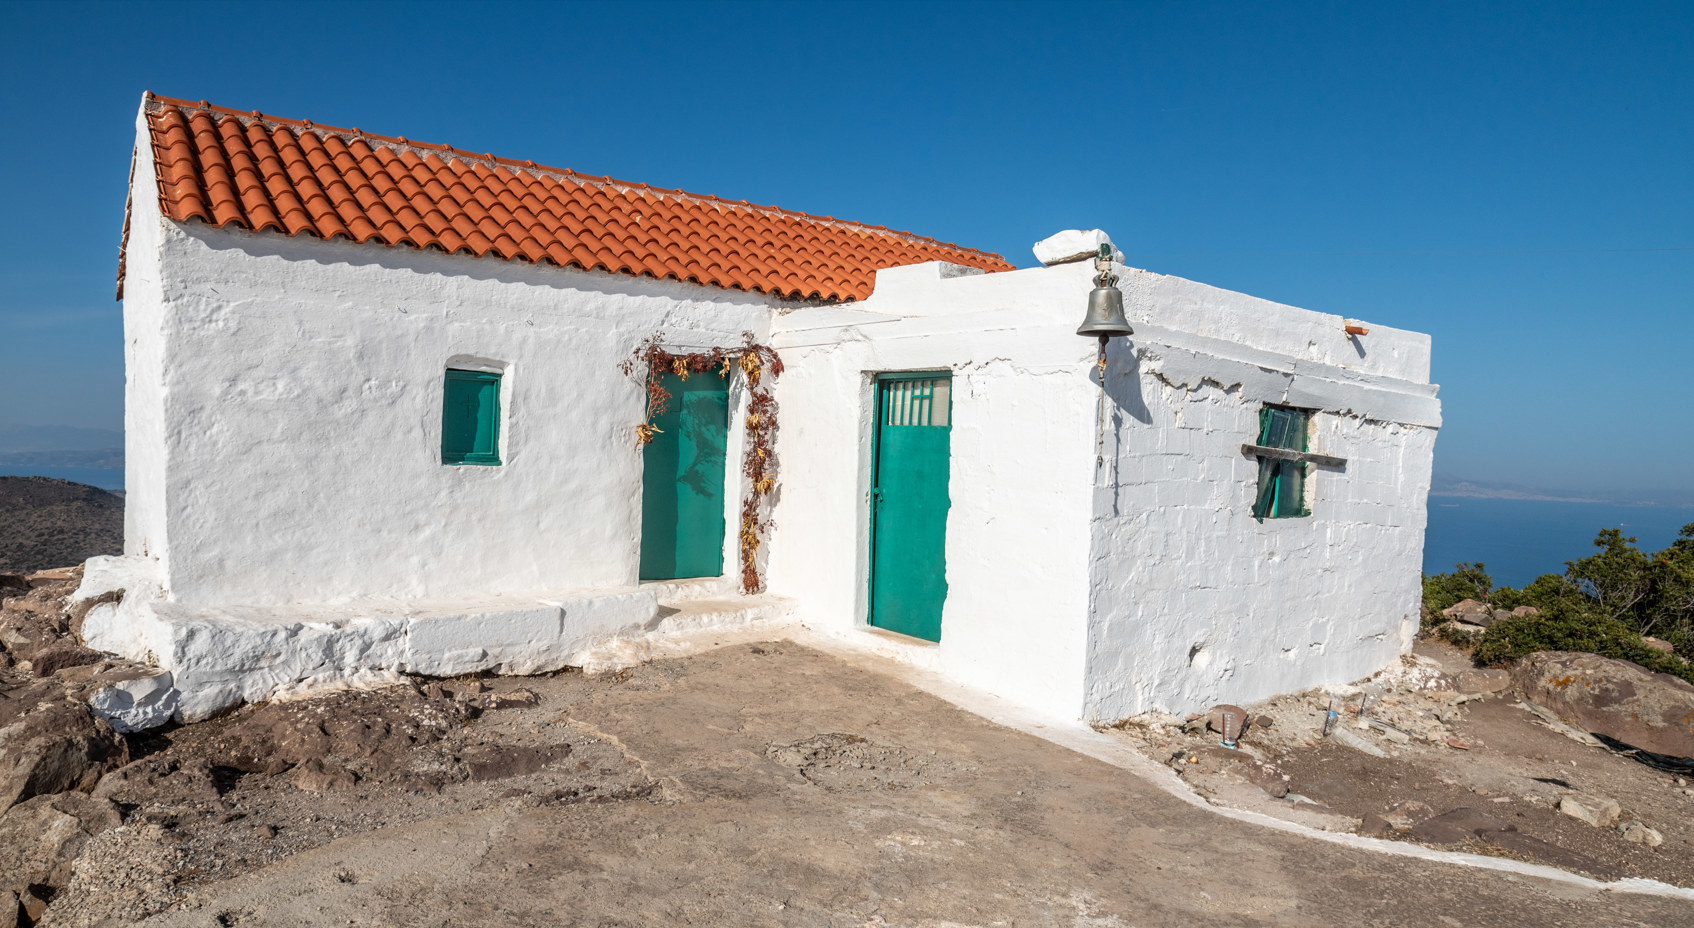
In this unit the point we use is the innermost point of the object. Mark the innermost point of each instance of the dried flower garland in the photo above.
(759, 365)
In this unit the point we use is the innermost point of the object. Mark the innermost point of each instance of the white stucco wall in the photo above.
(301, 415)
(1081, 591)
(1014, 622)
(1195, 602)
(144, 369)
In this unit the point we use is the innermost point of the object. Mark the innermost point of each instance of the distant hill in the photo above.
(56, 523)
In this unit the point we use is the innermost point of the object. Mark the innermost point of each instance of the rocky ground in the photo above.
(762, 783)
(1459, 761)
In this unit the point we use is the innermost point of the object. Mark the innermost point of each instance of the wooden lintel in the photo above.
(1304, 457)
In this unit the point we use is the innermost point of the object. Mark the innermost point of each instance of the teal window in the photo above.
(470, 418)
(1282, 479)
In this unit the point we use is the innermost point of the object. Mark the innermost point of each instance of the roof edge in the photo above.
(152, 102)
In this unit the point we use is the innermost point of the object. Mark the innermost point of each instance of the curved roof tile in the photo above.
(259, 172)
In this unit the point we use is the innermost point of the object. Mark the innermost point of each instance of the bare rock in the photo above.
(41, 837)
(318, 777)
(1621, 700)
(516, 699)
(13, 583)
(1598, 811)
(1346, 738)
(54, 747)
(1469, 610)
(56, 576)
(160, 778)
(1641, 834)
(1375, 826)
(377, 728)
(24, 632)
(1525, 610)
(1461, 824)
(62, 656)
(1408, 814)
(1659, 644)
(499, 761)
(1478, 682)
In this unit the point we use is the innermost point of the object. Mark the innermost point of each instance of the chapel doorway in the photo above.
(682, 488)
(911, 447)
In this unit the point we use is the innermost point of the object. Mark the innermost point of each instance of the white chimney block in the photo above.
(1073, 245)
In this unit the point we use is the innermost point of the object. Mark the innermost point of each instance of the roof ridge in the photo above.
(154, 102)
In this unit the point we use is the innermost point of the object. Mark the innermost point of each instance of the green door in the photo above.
(909, 503)
(682, 486)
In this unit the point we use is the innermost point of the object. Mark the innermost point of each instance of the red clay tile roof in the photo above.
(259, 172)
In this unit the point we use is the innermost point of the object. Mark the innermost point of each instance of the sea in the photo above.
(1518, 540)
(106, 478)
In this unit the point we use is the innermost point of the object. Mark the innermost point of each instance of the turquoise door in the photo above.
(909, 503)
(682, 490)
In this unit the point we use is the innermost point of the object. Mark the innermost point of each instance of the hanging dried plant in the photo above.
(758, 459)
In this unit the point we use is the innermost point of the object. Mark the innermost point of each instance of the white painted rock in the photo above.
(1073, 245)
(135, 699)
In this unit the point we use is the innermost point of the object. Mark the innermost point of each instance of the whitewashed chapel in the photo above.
(399, 407)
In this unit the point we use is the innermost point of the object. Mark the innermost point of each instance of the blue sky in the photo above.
(1516, 180)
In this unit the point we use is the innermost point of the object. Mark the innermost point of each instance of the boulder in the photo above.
(1525, 610)
(318, 777)
(1659, 644)
(132, 699)
(24, 632)
(54, 658)
(54, 747)
(1641, 834)
(160, 778)
(1598, 811)
(1624, 701)
(1471, 611)
(41, 838)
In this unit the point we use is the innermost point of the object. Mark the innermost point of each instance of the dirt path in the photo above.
(792, 788)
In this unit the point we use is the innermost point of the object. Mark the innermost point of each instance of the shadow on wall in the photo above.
(1123, 382)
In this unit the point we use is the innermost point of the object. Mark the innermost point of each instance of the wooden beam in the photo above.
(1304, 457)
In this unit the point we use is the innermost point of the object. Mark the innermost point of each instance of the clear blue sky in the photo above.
(1516, 180)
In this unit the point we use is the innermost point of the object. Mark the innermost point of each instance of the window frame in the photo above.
(454, 458)
(1288, 471)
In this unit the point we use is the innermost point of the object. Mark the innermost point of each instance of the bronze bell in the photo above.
(1105, 312)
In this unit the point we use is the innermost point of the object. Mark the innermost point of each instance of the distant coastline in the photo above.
(1444, 485)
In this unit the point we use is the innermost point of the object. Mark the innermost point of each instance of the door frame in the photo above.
(734, 491)
(872, 383)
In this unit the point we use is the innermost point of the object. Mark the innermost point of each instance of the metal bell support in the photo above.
(1105, 303)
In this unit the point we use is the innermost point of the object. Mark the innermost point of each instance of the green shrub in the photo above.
(1441, 591)
(1571, 625)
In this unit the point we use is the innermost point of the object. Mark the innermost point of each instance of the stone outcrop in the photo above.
(40, 838)
(51, 745)
(1625, 701)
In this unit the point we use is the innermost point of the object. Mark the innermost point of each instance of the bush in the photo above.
(1441, 591)
(1571, 625)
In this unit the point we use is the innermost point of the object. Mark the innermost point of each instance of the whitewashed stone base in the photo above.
(221, 658)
